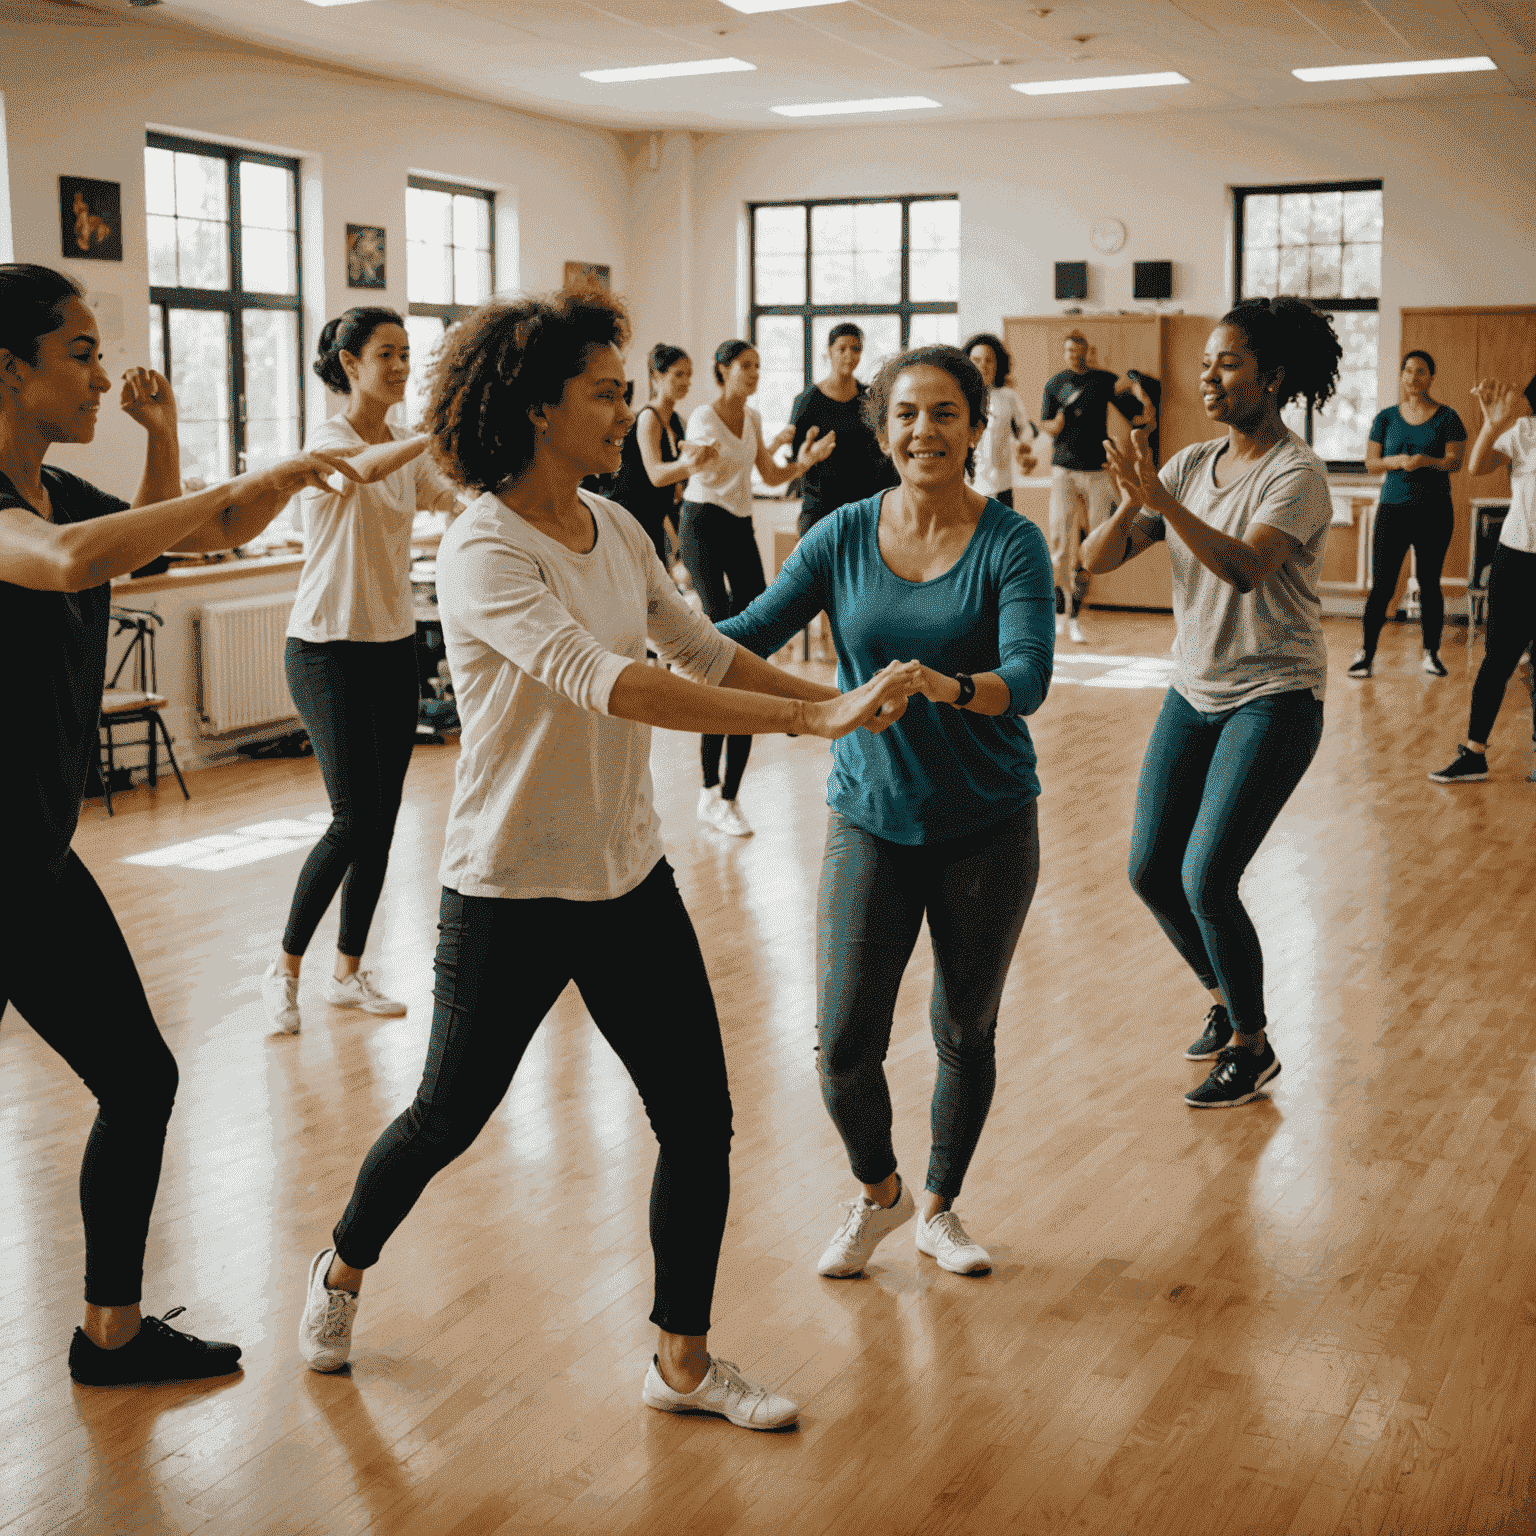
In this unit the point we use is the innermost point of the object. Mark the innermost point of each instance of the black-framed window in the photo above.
(450, 264)
(1321, 241)
(889, 264)
(225, 316)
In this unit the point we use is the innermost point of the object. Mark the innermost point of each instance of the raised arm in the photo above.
(813, 449)
(1502, 406)
(146, 398)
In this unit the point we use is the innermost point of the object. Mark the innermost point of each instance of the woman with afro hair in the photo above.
(1245, 517)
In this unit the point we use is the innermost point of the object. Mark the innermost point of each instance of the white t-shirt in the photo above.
(356, 582)
(1518, 445)
(727, 480)
(994, 453)
(552, 795)
(1234, 646)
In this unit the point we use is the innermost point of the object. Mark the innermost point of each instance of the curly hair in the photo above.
(1289, 334)
(954, 362)
(501, 363)
(1000, 357)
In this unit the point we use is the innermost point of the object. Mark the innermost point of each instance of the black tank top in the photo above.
(633, 490)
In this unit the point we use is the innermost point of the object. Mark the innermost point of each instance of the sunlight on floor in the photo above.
(245, 845)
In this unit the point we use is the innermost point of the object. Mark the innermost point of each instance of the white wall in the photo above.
(77, 102)
(1460, 201)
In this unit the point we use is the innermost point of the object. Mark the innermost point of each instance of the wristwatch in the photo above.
(967, 689)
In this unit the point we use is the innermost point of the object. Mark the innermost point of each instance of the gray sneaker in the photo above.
(861, 1232)
(325, 1329)
(280, 997)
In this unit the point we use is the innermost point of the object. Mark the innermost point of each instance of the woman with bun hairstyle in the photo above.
(1245, 517)
(64, 964)
(1003, 445)
(553, 868)
(718, 544)
(657, 459)
(351, 655)
(1419, 443)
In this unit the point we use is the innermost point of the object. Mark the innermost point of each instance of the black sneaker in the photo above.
(1360, 667)
(1433, 665)
(1061, 601)
(155, 1353)
(1469, 767)
(1218, 1030)
(1236, 1079)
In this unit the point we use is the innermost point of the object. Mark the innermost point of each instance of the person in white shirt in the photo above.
(351, 656)
(553, 868)
(1507, 439)
(1008, 441)
(718, 545)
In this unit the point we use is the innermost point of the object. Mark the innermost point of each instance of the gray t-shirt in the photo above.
(1234, 646)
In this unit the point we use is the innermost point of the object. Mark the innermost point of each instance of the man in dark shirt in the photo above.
(1075, 412)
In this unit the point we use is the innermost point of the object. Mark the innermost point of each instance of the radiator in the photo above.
(240, 678)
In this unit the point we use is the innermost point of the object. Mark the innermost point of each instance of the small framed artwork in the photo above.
(588, 274)
(365, 256)
(91, 218)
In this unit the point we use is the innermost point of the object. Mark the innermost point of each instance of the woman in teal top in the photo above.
(935, 815)
(1419, 443)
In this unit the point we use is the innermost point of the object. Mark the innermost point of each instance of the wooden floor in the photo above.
(1315, 1314)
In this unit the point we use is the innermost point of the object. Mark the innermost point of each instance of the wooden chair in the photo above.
(138, 705)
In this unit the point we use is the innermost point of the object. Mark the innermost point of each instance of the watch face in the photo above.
(1107, 236)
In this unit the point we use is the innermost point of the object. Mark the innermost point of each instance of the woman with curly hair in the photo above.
(1245, 517)
(553, 868)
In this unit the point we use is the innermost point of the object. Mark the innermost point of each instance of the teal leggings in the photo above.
(1211, 788)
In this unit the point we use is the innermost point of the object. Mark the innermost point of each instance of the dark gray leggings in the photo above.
(975, 891)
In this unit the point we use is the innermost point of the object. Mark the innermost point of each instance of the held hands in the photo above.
(1136, 481)
(814, 449)
(1500, 403)
(309, 471)
(148, 400)
(878, 703)
(1024, 458)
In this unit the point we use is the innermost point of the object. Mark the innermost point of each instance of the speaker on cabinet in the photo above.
(1152, 279)
(1071, 279)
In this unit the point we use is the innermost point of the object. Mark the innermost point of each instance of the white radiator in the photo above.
(240, 678)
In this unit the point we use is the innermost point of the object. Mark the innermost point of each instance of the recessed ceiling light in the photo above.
(665, 71)
(754, 7)
(873, 104)
(337, 2)
(1098, 83)
(1411, 67)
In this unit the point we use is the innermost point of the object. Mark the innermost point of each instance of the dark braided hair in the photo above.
(954, 362)
(349, 332)
(1289, 334)
(503, 361)
(32, 306)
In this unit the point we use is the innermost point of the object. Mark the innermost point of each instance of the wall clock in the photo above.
(1107, 236)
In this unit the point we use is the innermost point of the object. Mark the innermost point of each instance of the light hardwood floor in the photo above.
(1312, 1315)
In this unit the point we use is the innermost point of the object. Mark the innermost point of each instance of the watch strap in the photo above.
(967, 689)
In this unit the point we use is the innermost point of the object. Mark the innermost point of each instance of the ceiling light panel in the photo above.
(1384, 71)
(667, 71)
(872, 104)
(757, 7)
(1098, 83)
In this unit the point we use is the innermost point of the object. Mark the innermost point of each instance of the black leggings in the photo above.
(500, 966)
(720, 552)
(358, 701)
(1511, 628)
(65, 967)
(1428, 530)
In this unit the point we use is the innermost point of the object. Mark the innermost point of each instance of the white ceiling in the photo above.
(964, 54)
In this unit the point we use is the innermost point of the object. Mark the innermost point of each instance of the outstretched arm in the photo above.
(1502, 407)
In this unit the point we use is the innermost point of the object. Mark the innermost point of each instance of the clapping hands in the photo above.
(1136, 479)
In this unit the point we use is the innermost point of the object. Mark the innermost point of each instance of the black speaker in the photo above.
(1071, 279)
(1152, 279)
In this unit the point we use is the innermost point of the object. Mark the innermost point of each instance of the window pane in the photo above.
(832, 278)
(162, 250)
(159, 181)
(472, 222)
(271, 338)
(1340, 429)
(877, 226)
(1362, 272)
(877, 276)
(1261, 267)
(780, 279)
(267, 261)
(832, 228)
(1327, 218)
(1325, 272)
(201, 189)
(1293, 277)
(935, 226)
(471, 275)
(426, 333)
(882, 339)
(779, 231)
(428, 273)
(1295, 218)
(934, 275)
(156, 339)
(202, 254)
(782, 338)
(428, 216)
(928, 329)
(266, 195)
(1261, 220)
(1362, 215)
(200, 380)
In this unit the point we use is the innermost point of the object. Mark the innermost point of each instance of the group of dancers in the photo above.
(941, 603)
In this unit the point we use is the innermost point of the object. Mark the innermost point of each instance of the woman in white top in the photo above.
(553, 868)
(1007, 441)
(351, 656)
(1245, 518)
(718, 545)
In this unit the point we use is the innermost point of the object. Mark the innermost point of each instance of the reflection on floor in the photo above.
(244, 845)
(1112, 671)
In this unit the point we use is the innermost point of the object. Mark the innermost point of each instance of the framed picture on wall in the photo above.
(91, 218)
(588, 274)
(365, 256)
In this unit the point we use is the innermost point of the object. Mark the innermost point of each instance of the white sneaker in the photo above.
(945, 1239)
(1075, 632)
(863, 1227)
(280, 993)
(708, 799)
(1061, 623)
(727, 818)
(724, 1391)
(358, 991)
(325, 1329)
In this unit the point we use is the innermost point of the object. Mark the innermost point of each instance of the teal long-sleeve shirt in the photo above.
(939, 772)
